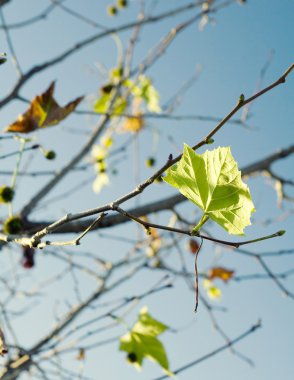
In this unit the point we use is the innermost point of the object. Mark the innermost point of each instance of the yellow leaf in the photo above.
(106, 141)
(221, 273)
(133, 124)
(43, 112)
(213, 292)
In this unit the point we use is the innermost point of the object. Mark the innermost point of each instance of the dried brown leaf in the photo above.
(43, 112)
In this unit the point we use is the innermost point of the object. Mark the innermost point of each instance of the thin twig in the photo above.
(214, 352)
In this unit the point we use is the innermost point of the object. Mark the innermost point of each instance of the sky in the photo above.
(228, 55)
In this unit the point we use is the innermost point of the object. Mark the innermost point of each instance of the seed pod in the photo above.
(132, 357)
(6, 194)
(13, 225)
(150, 162)
(122, 3)
(107, 88)
(50, 155)
(112, 10)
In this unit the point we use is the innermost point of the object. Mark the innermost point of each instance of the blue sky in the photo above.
(231, 54)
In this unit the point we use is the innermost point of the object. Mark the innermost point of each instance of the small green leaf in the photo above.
(213, 182)
(116, 74)
(102, 104)
(142, 342)
(147, 325)
(148, 93)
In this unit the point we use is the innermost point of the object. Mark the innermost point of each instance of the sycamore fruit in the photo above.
(6, 194)
(13, 225)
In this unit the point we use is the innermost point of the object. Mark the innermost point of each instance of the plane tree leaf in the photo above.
(142, 342)
(43, 112)
(213, 182)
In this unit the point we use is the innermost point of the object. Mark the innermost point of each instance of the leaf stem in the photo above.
(202, 221)
(16, 170)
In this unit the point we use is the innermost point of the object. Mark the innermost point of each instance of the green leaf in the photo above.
(116, 74)
(147, 325)
(213, 182)
(102, 104)
(148, 93)
(142, 342)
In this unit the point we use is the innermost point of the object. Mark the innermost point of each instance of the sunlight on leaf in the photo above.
(146, 91)
(101, 180)
(142, 342)
(213, 182)
(99, 154)
(212, 291)
(43, 112)
(133, 124)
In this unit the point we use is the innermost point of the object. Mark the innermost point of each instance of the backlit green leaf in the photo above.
(142, 342)
(103, 103)
(213, 182)
(147, 325)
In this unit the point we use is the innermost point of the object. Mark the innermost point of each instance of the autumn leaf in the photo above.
(43, 112)
(133, 123)
(221, 273)
(142, 342)
(213, 182)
